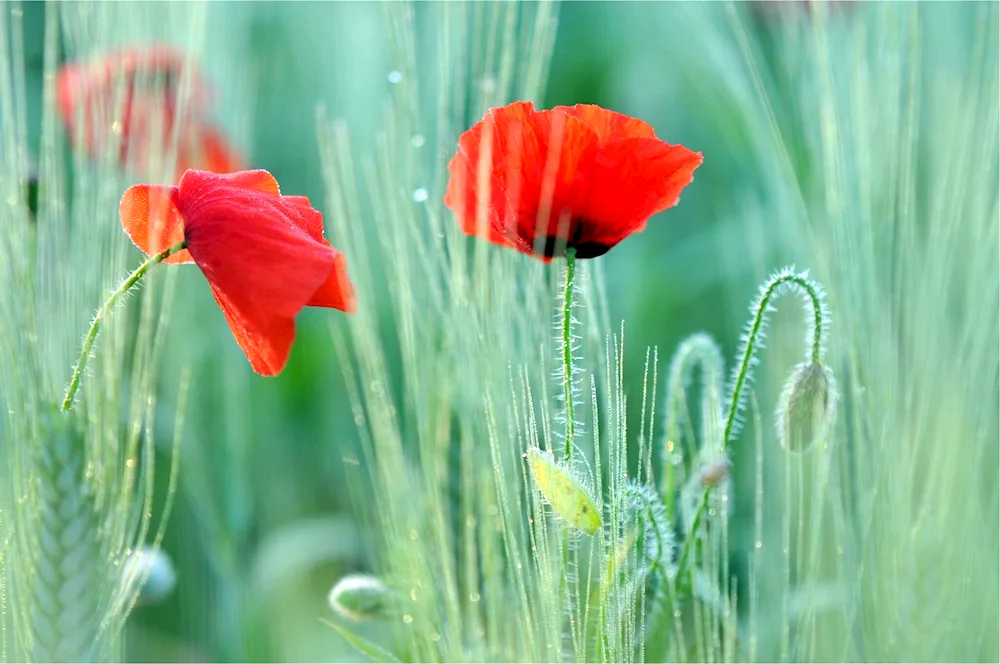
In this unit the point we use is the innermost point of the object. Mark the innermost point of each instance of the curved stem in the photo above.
(567, 350)
(814, 351)
(88, 341)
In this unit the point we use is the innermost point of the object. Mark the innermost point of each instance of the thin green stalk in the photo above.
(815, 352)
(567, 350)
(88, 341)
(567, 380)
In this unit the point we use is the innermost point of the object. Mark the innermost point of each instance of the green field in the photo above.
(783, 441)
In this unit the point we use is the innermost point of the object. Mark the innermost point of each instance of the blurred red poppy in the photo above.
(134, 93)
(263, 254)
(581, 177)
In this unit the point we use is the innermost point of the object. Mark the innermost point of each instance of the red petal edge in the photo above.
(152, 221)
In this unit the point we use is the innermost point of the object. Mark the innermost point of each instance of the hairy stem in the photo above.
(567, 350)
(815, 351)
(699, 351)
(88, 341)
(567, 381)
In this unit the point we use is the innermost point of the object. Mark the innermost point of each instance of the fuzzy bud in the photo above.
(359, 597)
(717, 471)
(568, 498)
(152, 569)
(807, 407)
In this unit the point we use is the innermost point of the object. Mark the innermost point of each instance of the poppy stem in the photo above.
(88, 341)
(567, 380)
(816, 320)
(567, 350)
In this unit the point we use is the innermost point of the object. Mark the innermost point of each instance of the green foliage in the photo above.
(858, 140)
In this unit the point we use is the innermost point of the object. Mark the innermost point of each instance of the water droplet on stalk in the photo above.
(395, 76)
(419, 195)
(417, 141)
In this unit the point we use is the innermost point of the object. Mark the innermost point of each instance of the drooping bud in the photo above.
(153, 569)
(568, 498)
(360, 597)
(712, 473)
(807, 407)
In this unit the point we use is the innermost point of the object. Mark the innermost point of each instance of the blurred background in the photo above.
(263, 524)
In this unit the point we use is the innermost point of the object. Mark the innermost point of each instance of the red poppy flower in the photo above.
(580, 176)
(264, 254)
(134, 92)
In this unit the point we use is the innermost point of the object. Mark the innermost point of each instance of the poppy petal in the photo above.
(251, 250)
(159, 61)
(67, 91)
(521, 171)
(152, 221)
(156, 58)
(608, 124)
(265, 339)
(469, 177)
(633, 179)
(263, 269)
(305, 215)
(337, 291)
(195, 184)
(205, 148)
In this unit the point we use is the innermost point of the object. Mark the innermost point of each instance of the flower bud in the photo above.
(153, 569)
(359, 597)
(712, 473)
(807, 407)
(563, 492)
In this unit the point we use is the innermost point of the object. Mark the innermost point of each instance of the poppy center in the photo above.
(556, 245)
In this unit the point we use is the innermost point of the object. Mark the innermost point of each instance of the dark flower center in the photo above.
(556, 246)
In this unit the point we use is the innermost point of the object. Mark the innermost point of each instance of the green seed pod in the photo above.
(563, 492)
(360, 597)
(807, 407)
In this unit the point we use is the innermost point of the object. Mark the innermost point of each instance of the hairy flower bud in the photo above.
(807, 407)
(568, 498)
(359, 597)
(713, 473)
